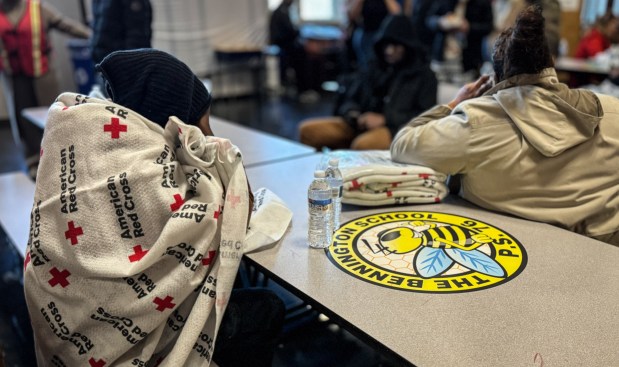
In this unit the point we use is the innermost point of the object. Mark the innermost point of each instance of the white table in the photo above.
(572, 64)
(562, 309)
(17, 193)
(257, 147)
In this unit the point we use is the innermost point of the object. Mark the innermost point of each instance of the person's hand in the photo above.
(370, 121)
(464, 27)
(472, 90)
(449, 22)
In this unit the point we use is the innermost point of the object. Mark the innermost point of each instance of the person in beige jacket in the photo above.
(529, 145)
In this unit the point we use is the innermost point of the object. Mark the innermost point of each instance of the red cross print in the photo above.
(59, 277)
(138, 254)
(206, 261)
(180, 131)
(356, 185)
(93, 363)
(425, 176)
(41, 153)
(395, 184)
(178, 201)
(389, 193)
(73, 232)
(27, 260)
(217, 213)
(233, 199)
(115, 128)
(437, 200)
(65, 108)
(162, 304)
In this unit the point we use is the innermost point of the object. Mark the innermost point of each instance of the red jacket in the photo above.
(24, 46)
(592, 43)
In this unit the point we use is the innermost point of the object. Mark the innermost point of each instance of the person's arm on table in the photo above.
(438, 138)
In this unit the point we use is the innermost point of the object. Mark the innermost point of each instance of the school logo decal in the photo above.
(427, 252)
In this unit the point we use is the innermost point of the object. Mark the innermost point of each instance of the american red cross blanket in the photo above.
(136, 236)
(371, 178)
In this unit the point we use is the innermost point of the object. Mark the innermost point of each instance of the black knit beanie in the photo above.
(154, 84)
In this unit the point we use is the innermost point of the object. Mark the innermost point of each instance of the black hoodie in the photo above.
(399, 92)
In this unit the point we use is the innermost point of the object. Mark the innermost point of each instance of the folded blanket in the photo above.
(371, 178)
(136, 237)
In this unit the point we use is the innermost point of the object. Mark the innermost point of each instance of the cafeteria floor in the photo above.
(308, 339)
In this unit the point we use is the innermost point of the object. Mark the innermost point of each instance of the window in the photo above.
(318, 11)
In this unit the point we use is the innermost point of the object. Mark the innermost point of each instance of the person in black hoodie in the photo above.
(374, 104)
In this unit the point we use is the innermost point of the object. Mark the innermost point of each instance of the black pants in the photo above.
(250, 329)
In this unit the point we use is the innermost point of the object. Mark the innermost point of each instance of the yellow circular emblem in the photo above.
(427, 252)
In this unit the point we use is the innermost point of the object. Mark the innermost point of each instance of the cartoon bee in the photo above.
(441, 247)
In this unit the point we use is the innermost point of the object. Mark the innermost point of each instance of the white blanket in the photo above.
(136, 237)
(371, 178)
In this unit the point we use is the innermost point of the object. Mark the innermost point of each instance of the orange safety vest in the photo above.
(24, 46)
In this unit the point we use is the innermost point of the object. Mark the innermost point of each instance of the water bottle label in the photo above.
(319, 204)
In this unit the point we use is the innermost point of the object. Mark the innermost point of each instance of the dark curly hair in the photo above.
(522, 48)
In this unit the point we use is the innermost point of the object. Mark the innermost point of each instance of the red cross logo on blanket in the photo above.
(178, 201)
(233, 199)
(59, 277)
(27, 260)
(425, 176)
(65, 108)
(180, 131)
(138, 254)
(162, 304)
(93, 363)
(206, 261)
(217, 213)
(73, 232)
(115, 128)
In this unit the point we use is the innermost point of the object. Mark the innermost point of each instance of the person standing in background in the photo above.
(368, 16)
(469, 22)
(120, 25)
(285, 35)
(25, 59)
(425, 16)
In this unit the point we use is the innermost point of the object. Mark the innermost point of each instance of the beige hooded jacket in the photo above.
(530, 146)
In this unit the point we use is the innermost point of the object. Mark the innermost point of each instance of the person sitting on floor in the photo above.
(138, 230)
(529, 145)
(377, 102)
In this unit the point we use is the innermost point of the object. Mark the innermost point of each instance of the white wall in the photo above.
(192, 29)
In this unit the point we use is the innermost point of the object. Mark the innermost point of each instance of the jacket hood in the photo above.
(551, 116)
(398, 29)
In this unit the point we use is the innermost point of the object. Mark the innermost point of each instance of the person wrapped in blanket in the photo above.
(529, 145)
(138, 227)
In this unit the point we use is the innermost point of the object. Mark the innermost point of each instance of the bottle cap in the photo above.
(319, 173)
(334, 162)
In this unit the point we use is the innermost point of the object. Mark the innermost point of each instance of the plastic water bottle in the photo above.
(320, 211)
(334, 178)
